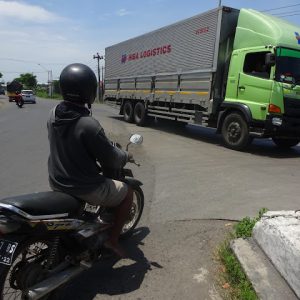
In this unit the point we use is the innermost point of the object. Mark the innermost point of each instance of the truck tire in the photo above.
(128, 112)
(140, 114)
(235, 132)
(285, 143)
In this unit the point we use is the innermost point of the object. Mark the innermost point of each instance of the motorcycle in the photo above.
(19, 100)
(48, 238)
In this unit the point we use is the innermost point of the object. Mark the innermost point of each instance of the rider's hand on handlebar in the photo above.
(130, 157)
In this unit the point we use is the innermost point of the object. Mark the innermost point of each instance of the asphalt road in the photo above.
(193, 187)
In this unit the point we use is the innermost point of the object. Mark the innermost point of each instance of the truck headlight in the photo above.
(277, 121)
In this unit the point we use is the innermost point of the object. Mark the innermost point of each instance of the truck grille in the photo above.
(292, 107)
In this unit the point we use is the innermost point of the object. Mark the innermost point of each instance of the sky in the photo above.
(40, 37)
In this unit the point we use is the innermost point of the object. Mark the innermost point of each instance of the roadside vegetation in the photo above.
(42, 90)
(28, 80)
(233, 279)
(44, 94)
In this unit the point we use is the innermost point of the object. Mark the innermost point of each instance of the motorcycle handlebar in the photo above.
(131, 159)
(134, 162)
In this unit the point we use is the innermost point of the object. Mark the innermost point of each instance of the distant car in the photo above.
(28, 96)
(2, 91)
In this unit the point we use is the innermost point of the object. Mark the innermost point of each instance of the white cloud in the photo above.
(15, 33)
(45, 45)
(22, 11)
(38, 39)
(123, 12)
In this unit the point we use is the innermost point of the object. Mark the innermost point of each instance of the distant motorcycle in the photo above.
(19, 100)
(48, 238)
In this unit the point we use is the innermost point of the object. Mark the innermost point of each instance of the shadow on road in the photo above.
(113, 276)
(260, 147)
(265, 147)
(191, 131)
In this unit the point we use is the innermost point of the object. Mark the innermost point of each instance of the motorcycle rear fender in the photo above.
(133, 182)
(8, 224)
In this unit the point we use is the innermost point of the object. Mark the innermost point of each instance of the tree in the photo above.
(28, 80)
(1, 75)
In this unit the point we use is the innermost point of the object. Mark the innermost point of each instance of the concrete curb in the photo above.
(266, 281)
(278, 235)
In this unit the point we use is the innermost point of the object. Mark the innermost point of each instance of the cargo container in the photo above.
(13, 90)
(234, 70)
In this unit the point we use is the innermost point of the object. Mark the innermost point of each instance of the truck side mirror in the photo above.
(270, 59)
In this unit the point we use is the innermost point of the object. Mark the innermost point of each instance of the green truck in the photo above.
(234, 70)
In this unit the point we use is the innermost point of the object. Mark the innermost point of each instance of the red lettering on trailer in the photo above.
(132, 56)
(202, 30)
(165, 49)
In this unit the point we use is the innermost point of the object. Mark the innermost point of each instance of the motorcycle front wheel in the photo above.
(29, 266)
(135, 213)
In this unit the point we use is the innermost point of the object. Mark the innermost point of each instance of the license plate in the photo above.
(91, 208)
(7, 250)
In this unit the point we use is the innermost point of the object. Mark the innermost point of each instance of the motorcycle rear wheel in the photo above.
(27, 269)
(20, 103)
(135, 213)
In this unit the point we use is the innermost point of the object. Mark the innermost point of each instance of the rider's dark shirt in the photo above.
(77, 141)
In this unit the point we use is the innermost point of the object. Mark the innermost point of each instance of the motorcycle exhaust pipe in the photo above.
(48, 285)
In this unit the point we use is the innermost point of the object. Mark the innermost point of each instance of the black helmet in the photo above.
(78, 83)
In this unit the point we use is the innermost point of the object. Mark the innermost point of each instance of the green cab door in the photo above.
(254, 84)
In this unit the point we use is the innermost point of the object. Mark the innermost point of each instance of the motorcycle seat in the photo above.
(43, 204)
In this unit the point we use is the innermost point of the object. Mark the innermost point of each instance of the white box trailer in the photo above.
(172, 71)
(234, 70)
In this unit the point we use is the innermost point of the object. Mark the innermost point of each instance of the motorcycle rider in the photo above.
(77, 143)
(19, 99)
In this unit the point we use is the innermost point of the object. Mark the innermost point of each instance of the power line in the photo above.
(281, 7)
(15, 72)
(17, 60)
(283, 15)
(35, 62)
(286, 12)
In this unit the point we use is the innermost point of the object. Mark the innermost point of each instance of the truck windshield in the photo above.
(288, 66)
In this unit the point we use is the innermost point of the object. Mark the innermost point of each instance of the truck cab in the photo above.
(263, 86)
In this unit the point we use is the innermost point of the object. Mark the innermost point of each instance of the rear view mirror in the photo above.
(136, 139)
(270, 59)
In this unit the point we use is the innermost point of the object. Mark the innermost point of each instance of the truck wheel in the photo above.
(128, 112)
(235, 132)
(285, 143)
(140, 114)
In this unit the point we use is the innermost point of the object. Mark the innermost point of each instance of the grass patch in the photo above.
(244, 228)
(44, 94)
(233, 278)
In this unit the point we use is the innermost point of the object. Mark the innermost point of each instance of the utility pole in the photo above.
(220, 2)
(50, 88)
(51, 83)
(98, 57)
(102, 79)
